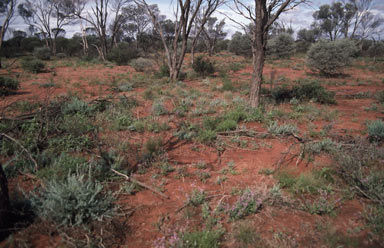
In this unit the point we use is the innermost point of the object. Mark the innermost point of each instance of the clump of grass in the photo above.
(304, 183)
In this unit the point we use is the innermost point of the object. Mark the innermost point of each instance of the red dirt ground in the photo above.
(153, 216)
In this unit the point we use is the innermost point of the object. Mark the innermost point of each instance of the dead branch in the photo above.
(140, 183)
(22, 147)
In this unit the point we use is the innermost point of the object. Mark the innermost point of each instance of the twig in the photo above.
(140, 183)
(22, 147)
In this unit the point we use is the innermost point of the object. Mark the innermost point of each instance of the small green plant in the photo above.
(203, 66)
(33, 65)
(310, 183)
(374, 216)
(8, 85)
(196, 198)
(158, 108)
(75, 201)
(43, 53)
(227, 85)
(248, 203)
(376, 130)
(166, 168)
(286, 129)
(202, 239)
(246, 235)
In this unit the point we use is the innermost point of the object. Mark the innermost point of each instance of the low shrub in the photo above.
(8, 85)
(360, 167)
(43, 53)
(203, 66)
(331, 57)
(283, 46)
(304, 90)
(248, 203)
(123, 53)
(33, 65)
(376, 130)
(286, 129)
(75, 201)
(142, 64)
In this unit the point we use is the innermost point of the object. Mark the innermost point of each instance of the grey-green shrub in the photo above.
(331, 57)
(75, 201)
(376, 130)
(33, 65)
(283, 46)
(43, 53)
(8, 85)
(142, 64)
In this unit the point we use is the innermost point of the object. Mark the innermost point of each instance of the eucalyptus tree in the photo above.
(186, 12)
(47, 17)
(7, 11)
(261, 15)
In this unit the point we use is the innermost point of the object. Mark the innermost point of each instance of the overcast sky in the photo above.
(300, 17)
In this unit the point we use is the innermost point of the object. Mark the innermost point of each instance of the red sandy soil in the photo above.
(153, 216)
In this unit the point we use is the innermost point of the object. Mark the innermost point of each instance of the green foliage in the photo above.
(286, 129)
(142, 65)
(282, 46)
(158, 108)
(43, 53)
(227, 85)
(374, 216)
(153, 148)
(61, 166)
(304, 183)
(380, 97)
(240, 44)
(33, 65)
(360, 167)
(226, 125)
(8, 85)
(201, 239)
(203, 66)
(376, 130)
(77, 124)
(76, 105)
(196, 198)
(246, 235)
(75, 201)
(312, 90)
(248, 203)
(330, 57)
(304, 90)
(123, 53)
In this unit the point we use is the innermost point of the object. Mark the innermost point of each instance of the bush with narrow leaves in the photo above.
(75, 201)
(8, 85)
(203, 66)
(33, 65)
(331, 57)
(43, 53)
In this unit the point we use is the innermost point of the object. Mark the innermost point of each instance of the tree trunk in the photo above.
(4, 204)
(259, 43)
(257, 76)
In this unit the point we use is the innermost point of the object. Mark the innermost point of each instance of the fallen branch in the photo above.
(22, 147)
(140, 183)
